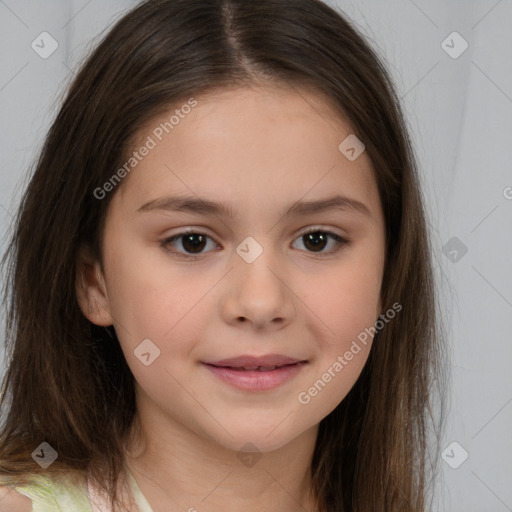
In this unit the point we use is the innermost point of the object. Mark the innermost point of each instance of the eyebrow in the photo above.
(204, 206)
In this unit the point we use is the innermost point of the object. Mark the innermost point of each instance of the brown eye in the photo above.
(192, 243)
(316, 240)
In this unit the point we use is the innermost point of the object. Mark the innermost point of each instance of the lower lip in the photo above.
(254, 380)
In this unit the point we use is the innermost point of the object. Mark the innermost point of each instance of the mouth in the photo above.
(254, 368)
(256, 378)
(250, 362)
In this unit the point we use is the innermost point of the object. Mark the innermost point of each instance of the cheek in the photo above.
(146, 299)
(342, 349)
(156, 325)
(347, 300)
(345, 306)
(169, 304)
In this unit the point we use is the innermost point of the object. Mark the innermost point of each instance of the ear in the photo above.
(91, 290)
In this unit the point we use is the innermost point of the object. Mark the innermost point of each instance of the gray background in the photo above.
(460, 115)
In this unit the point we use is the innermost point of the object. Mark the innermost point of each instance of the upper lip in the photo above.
(264, 361)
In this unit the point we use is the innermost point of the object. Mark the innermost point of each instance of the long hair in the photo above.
(67, 382)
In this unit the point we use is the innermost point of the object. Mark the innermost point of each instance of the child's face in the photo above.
(259, 152)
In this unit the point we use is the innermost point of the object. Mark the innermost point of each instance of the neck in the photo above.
(175, 467)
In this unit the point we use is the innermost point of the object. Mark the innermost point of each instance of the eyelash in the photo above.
(340, 242)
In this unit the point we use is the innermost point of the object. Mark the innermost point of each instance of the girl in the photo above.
(222, 295)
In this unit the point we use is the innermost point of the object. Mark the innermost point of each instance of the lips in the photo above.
(256, 374)
(264, 363)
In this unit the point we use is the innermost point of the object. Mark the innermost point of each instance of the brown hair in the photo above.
(67, 379)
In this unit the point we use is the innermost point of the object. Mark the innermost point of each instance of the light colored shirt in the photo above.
(50, 495)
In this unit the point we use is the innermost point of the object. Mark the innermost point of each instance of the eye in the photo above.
(316, 239)
(193, 242)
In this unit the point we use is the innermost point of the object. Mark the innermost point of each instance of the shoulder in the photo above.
(12, 501)
(45, 492)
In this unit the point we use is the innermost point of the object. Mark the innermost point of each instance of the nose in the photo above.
(258, 293)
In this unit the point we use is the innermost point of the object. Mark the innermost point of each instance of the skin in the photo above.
(259, 149)
(11, 501)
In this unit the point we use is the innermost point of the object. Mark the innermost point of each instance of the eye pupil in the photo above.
(189, 239)
(315, 236)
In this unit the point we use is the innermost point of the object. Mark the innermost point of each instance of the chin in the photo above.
(259, 440)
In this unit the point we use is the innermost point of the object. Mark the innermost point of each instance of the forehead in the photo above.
(254, 145)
